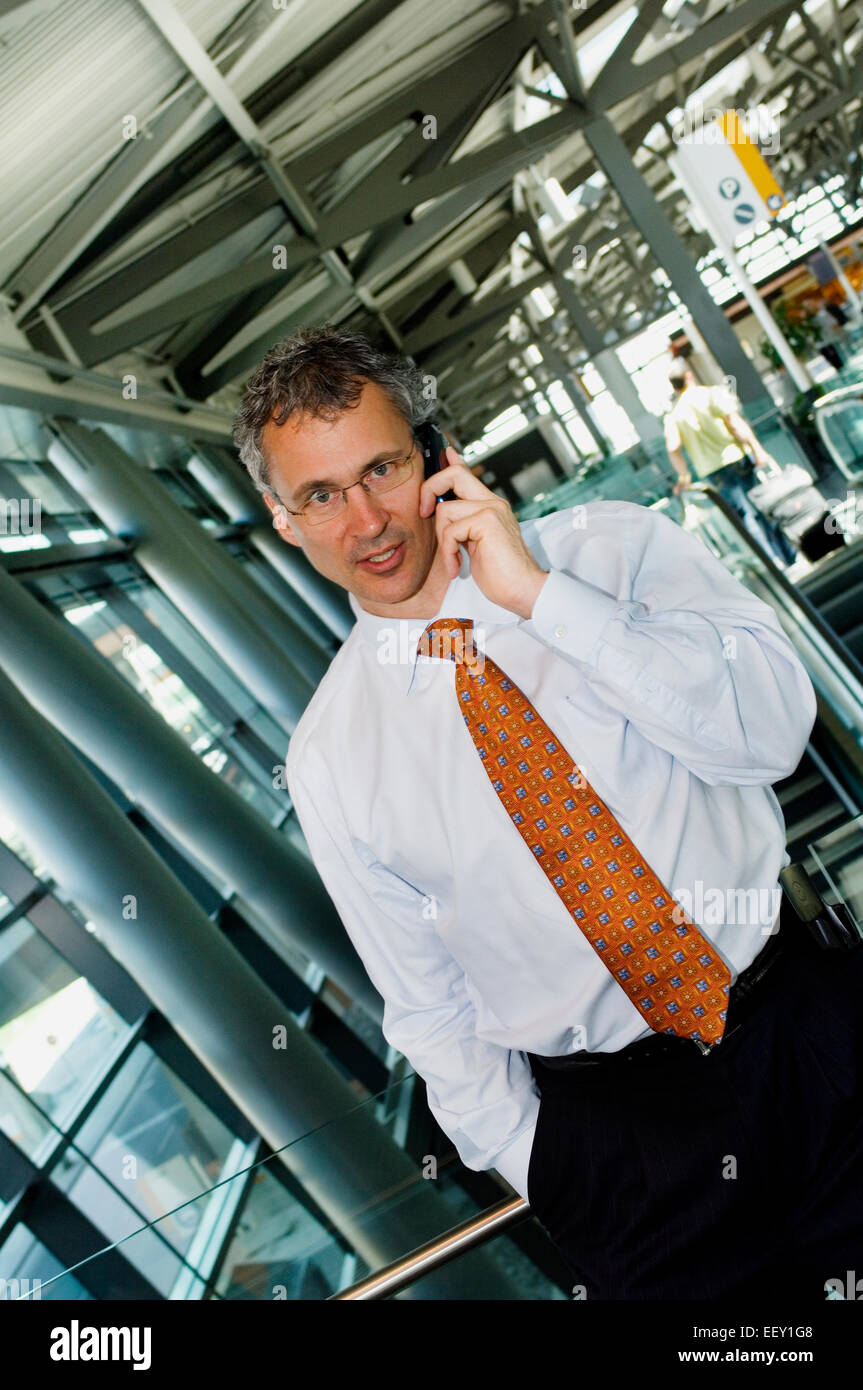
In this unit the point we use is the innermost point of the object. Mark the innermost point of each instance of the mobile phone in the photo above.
(433, 445)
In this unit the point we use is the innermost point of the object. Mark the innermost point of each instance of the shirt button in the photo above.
(560, 631)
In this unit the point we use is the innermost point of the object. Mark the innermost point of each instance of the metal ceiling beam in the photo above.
(628, 78)
(322, 309)
(127, 171)
(192, 53)
(28, 381)
(211, 309)
(654, 226)
(138, 160)
(458, 77)
(439, 330)
(493, 165)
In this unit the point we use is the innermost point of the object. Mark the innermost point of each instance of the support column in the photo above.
(229, 486)
(242, 1032)
(653, 224)
(553, 431)
(251, 632)
(619, 384)
(572, 385)
(81, 693)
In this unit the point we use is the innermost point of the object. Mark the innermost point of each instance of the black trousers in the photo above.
(736, 1174)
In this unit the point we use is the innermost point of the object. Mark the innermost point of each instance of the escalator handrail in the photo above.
(443, 1248)
(840, 651)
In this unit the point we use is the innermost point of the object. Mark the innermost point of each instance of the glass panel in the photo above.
(26, 1269)
(258, 1235)
(56, 1033)
(21, 1122)
(162, 613)
(838, 858)
(115, 1216)
(61, 513)
(152, 1145)
(144, 669)
(10, 837)
(513, 1265)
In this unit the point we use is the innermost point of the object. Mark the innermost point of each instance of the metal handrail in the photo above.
(466, 1236)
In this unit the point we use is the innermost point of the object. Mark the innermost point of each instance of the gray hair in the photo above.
(321, 372)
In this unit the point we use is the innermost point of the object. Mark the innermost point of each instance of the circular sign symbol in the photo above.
(729, 188)
(744, 212)
(774, 201)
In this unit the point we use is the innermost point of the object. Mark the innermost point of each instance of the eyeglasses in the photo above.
(325, 503)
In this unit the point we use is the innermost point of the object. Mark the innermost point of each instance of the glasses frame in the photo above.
(344, 490)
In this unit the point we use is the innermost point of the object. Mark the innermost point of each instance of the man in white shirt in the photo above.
(681, 699)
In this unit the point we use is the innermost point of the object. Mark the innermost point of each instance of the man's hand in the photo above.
(486, 525)
(680, 485)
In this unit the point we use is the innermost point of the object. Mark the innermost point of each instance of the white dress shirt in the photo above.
(679, 697)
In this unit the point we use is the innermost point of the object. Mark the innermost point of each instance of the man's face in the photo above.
(306, 451)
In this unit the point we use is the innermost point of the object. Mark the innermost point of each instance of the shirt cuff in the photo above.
(514, 1161)
(571, 615)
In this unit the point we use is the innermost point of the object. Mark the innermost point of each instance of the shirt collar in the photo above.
(395, 640)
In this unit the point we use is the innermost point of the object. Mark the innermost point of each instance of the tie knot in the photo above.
(448, 638)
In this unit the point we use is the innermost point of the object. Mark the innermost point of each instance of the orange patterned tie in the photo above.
(668, 970)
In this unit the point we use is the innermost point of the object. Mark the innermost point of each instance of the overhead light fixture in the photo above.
(662, 28)
(588, 196)
(555, 202)
(760, 66)
(462, 277)
(689, 16)
(542, 302)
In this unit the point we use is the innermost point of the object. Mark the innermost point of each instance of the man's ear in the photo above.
(281, 518)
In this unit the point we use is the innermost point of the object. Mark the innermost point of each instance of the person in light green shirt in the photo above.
(706, 423)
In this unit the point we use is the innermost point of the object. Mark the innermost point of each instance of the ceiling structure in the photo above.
(189, 180)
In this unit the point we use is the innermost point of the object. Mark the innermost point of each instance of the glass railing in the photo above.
(833, 668)
(616, 477)
(838, 859)
(294, 1226)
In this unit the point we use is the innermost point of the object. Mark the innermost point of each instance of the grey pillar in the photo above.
(241, 1031)
(319, 593)
(553, 431)
(607, 363)
(573, 386)
(580, 400)
(229, 486)
(82, 694)
(619, 383)
(276, 660)
(653, 224)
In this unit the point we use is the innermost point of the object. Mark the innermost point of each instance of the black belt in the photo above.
(741, 1003)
